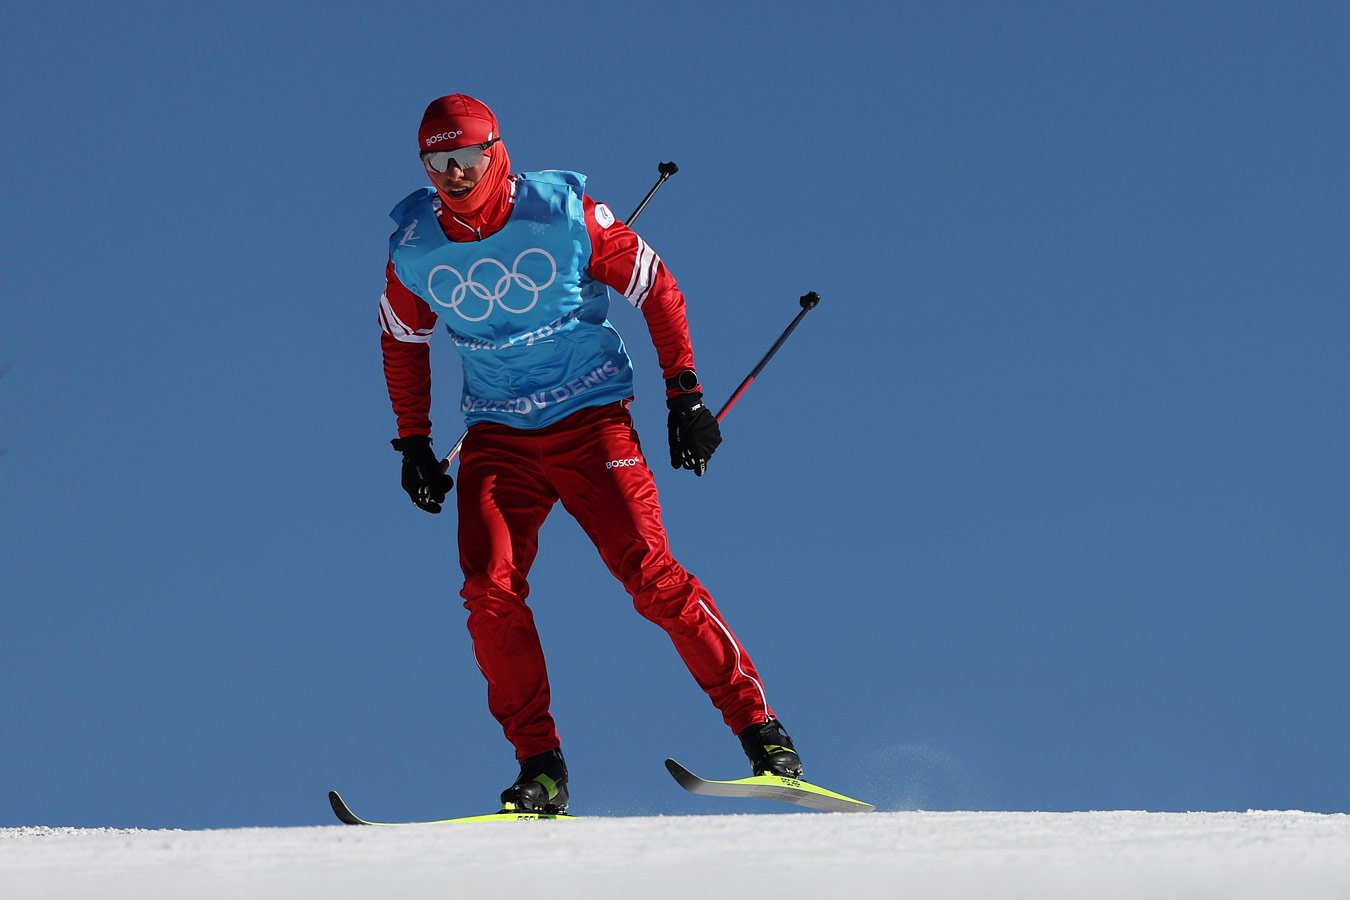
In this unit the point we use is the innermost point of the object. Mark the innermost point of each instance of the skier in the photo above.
(517, 266)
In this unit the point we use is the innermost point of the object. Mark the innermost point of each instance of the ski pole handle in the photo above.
(808, 301)
(665, 169)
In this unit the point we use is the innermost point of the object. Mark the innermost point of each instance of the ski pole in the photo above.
(808, 301)
(666, 169)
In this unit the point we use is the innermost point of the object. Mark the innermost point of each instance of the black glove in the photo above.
(423, 478)
(693, 431)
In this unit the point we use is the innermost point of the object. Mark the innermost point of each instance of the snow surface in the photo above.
(901, 854)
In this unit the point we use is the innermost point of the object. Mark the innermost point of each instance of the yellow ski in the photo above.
(769, 787)
(345, 813)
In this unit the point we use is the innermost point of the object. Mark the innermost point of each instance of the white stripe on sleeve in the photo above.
(644, 272)
(393, 326)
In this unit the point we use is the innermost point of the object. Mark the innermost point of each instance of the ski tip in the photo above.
(341, 810)
(680, 773)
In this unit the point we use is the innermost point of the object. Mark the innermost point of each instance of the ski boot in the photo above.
(770, 750)
(541, 786)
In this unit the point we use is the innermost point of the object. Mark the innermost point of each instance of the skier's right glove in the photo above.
(423, 479)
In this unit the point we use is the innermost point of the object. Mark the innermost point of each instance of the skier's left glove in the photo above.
(423, 478)
(693, 432)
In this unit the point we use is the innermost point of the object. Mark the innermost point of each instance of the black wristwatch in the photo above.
(685, 381)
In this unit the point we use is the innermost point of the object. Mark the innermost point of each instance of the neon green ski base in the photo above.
(345, 813)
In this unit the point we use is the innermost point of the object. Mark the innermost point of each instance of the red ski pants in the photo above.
(509, 479)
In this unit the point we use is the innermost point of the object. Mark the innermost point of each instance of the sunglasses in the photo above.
(460, 157)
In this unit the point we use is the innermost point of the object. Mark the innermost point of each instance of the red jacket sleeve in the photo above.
(406, 324)
(624, 261)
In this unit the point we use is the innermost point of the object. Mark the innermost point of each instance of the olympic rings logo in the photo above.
(496, 295)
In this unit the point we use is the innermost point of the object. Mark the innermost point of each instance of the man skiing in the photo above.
(517, 266)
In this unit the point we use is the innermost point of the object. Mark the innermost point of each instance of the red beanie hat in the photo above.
(456, 120)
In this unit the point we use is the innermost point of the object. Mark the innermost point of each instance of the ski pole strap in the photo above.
(808, 301)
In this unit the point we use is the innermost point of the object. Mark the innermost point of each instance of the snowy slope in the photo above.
(910, 854)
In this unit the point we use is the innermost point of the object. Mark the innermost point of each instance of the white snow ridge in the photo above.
(899, 854)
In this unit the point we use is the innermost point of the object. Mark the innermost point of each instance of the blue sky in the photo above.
(1045, 507)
